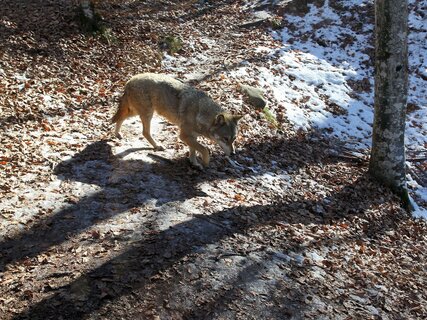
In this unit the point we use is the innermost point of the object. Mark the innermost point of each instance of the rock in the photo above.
(255, 96)
(258, 18)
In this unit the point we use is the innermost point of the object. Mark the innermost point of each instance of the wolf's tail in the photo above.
(123, 110)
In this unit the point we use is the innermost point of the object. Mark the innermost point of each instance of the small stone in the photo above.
(255, 96)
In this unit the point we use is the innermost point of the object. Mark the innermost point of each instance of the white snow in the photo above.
(418, 212)
(320, 54)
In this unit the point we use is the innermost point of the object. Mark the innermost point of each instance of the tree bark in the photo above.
(89, 19)
(387, 163)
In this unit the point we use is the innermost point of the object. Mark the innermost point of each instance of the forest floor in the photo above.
(291, 227)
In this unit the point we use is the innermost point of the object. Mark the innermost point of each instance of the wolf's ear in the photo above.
(237, 117)
(219, 120)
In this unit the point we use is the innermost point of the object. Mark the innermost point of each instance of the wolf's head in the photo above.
(224, 131)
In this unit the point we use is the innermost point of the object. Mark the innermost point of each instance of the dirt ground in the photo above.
(93, 227)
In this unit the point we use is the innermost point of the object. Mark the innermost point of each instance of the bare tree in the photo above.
(89, 19)
(387, 163)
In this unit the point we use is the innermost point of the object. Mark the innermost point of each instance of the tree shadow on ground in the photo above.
(121, 186)
(125, 179)
(41, 24)
(136, 269)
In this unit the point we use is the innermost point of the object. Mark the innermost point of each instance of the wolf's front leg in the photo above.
(194, 146)
(193, 159)
(204, 152)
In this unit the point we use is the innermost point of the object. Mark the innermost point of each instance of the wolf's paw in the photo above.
(159, 148)
(205, 162)
(196, 164)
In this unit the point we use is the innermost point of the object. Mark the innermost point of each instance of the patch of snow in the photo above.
(282, 256)
(314, 256)
(318, 273)
(374, 311)
(273, 181)
(418, 211)
(172, 215)
(21, 77)
(321, 53)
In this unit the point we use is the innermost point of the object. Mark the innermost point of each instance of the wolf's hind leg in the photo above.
(117, 129)
(121, 114)
(146, 128)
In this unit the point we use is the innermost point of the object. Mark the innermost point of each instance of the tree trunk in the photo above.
(387, 163)
(89, 19)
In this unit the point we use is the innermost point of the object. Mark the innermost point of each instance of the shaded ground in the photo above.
(96, 228)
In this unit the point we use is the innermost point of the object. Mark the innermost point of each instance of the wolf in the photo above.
(192, 110)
